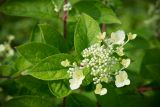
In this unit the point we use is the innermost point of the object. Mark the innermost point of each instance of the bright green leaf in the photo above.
(59, 88)
(98, 11)
(51, 69)
(35, 52)
(42, 9)
(86, 33)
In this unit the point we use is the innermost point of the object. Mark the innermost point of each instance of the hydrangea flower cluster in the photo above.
(5, 48)
(105, 61)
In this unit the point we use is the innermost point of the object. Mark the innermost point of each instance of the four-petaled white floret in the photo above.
(76, 80)
(99, 90)
(122, 79)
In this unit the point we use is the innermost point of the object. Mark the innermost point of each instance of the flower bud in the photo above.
(132, 36)
(65, 63)
(126, 62)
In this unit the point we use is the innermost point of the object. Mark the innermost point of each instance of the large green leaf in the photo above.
(30, 101)
(42, 9)
(51, 69)
(86, 33)
(35, 52)
(98, 11)
(150, 60)
(59, 88)
(52, 37)
(154, 71)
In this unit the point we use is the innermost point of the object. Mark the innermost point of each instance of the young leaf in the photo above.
(98, 11)
(30, 101)
(42, 9)
(35, 52)
(86, 33)
(59, 88)
(51, 69)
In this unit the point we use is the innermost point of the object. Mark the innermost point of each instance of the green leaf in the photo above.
(154, 71)
(79, 100)
(29, 101)
(22, 64)
(34, 86)
(51, 69)
(36, 35)
(152, 57)
(86, 33)
(98, 11)
(52, 37)
(35, 52)
(88, 78)
(59, 88)
(42, 9)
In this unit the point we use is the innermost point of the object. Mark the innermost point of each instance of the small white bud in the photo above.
(125, 62)
(65, 63)
(119, 51)
(56, 8)
(132, 36)
(10, 53)
(101, 36)
(11, 37)
(2, 48)
(67, 7)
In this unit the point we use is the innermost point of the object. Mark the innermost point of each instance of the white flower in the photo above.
(56, 8)
(65, 63)
(122, 79)
(126, 62)
(99, 90)
(10, 52)
(119, 51)
(2, 48)
(118, 37)
(11, 37)
(77, 78)
(67, 7)
(132, 36)
(101, 36)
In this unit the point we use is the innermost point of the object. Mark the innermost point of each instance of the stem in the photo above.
(64, 102)
(5, 77)
(103, 27)
(65, 16)
(97, 104)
